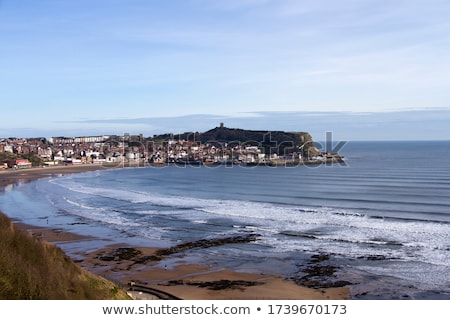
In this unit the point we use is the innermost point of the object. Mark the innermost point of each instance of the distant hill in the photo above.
(31, 269)
(275, 141)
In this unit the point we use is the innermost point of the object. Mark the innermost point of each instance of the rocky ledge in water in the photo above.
(206, 243)
(319, 273)
(216, 285)
(136, 256)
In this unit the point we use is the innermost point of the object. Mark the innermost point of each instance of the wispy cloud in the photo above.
(421, 124)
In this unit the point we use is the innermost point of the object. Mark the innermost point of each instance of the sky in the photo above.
(85, 67)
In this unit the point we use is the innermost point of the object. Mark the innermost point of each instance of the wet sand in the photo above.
(144, 267)
(12, 176)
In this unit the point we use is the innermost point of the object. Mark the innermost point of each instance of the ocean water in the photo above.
(383, 216)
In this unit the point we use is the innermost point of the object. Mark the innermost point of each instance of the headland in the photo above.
(218, 146)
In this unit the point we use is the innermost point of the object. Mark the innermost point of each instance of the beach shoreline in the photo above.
(183, 280)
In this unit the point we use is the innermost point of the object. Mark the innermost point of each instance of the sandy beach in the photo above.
(136, 268)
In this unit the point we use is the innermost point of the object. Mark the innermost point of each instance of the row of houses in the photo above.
(127, 148)
(50, 151)
(77, 150)
(209, 153)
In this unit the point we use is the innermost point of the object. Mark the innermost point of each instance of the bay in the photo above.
(383, 216)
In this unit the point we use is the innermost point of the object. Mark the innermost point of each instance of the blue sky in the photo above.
(141, 66)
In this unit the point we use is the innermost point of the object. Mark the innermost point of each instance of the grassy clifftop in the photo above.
(31, 269)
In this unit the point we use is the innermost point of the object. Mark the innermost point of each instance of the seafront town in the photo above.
(18, 153)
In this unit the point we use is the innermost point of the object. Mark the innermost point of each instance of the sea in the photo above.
(382, 218)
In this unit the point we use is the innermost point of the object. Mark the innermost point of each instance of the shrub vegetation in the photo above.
(34, 269)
